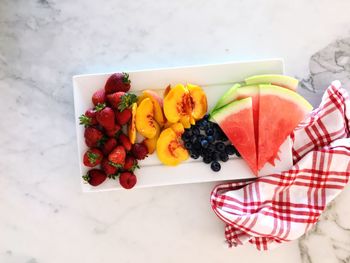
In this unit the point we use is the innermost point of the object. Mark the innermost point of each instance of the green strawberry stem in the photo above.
(85, 120)
(92, 157)
(126, 79)
(86, 178)
(100, 106)
(126, 101)
(117, 165)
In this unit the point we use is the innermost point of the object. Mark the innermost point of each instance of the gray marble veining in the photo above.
(44, 217)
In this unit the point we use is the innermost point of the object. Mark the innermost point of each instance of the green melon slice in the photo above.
(236, 121)
(277, 80)
(228, 97)
(280, 111)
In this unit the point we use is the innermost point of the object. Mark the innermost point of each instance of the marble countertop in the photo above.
(44, 216)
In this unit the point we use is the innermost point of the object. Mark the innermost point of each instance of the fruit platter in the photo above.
(185, 125)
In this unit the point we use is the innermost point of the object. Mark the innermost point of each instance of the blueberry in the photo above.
(211, 147)
(196, 146)
(206, 116)
(230, 150)
(209, 131)
(220, 146)
(193, 139)
(223, 157)
(195, 131)
(215, 166)
(204, 143)
(215, 156)
(238, 154)
(210, 138)
(200, 137)
(206, 159)
(194, 155)
(188, 145)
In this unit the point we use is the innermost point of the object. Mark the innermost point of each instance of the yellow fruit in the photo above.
(145, 123)
(198, 100)
(170, 151)
(132, 124)
(151, 144)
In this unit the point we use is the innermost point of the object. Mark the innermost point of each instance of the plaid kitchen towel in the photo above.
(273, 209)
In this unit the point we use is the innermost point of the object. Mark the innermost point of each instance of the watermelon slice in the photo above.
(277, 80)
(280, 111)
(236, 120)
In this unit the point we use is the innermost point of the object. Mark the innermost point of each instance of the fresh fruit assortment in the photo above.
(258, 118)
(251, 119)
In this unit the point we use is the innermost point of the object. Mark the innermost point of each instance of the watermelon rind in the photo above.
(231, 108)
(274, 79)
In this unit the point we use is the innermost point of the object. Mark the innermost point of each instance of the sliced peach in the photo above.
(198, 101)
(132, 124)
(178, 128)
(151, 144)
(186, 121)
(157, 105)
(145, 123)
(166, 91)
(176, 103)
(170, 151)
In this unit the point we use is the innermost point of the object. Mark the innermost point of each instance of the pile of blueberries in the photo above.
(207, 140)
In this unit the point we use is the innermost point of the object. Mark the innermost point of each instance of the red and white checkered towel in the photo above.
(281, 207)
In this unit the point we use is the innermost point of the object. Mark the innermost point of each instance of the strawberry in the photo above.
(109, 145)
(130, 163)
(89, 118)
(117, 82)
(127, 180)
(99, 97)
(121, 100)
(92, 136)
(139, 150)
(95, 177)
(110, 170)
(123, 117)
(114, 132)
(124, 140)
(117, 156)
(92, 157)
(105, 116)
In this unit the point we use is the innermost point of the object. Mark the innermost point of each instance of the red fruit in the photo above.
(105, 116)
(117, 82)
(114, 131)
(95, 177)
(125, 141)
(117, 156)
(130, 163)
(109, 145)
(89, 118)
(99, 97)
(123, 117)
(92, 157)
(121, 100)
(139, 150)
(127, 180)
(110, 170)
(92, 136)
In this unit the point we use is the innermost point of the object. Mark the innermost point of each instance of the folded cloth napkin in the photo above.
(277, 208)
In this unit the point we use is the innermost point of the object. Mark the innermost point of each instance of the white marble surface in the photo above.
(44, 216)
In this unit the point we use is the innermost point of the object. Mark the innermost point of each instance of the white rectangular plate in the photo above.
(215, 80)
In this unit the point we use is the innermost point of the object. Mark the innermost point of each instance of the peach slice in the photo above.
(157, 105)
(177, 105)
(132, 124)
(151, 144)
(166, 91)
(145, 123)
(198, 101)
(178, 128)
(170, 151)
